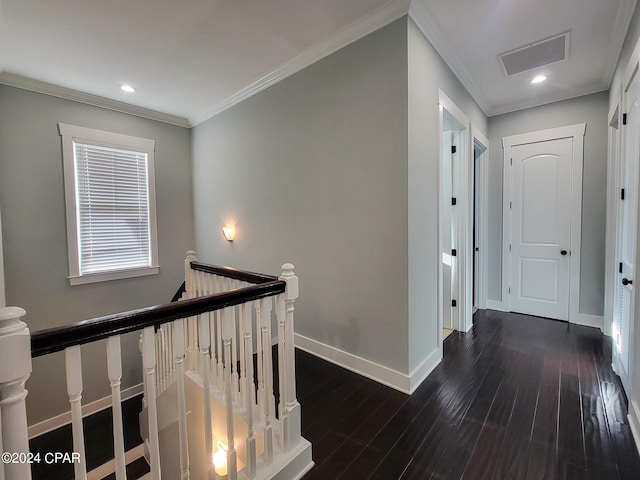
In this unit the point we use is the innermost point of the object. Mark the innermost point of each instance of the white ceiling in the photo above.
(191, 59)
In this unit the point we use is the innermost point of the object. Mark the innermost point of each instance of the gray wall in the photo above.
(427, 74)
(34, 235)
(633, 34)
(589, 109)
(313, 171)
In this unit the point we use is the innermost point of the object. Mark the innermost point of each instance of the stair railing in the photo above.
(212, 310)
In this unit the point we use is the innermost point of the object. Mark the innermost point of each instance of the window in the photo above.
(110, 203)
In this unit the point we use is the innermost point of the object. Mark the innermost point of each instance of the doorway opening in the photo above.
(455, 220)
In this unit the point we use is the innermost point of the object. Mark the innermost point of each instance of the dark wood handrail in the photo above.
(57, 339)
(234, 273)
(178, 295)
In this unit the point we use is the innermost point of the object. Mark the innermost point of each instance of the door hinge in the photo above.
(622, 194)
(624, 118)
(620, 267)
(454, 303)
(509, 247)
(510, 205)
(454, 252)
(509, 289)
(454, 149)
(453, 200)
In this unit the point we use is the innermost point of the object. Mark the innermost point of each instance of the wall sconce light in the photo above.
(229, 233)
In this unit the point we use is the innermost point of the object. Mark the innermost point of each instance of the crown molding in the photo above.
(618, 36)
(424, 20)
(25, 83)
(378, 18)
(553, 97)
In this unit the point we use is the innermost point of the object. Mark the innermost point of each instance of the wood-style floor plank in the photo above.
(517, 398)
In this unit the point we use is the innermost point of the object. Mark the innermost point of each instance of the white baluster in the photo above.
(178, 352)
(219, 354)
(243, 364)
(293, 425)
(227, 326)
(145, 387)
(249, 389)
(211, 289)
(74, 389)
(15, 368)
(149, 365)
(282, 411)
(234, 355)
(267, 375)
(114, 370)
(203, 338)
(159, 373)
(192, 349)
(259, 355)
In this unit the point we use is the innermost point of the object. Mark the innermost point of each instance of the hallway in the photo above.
(518, 397)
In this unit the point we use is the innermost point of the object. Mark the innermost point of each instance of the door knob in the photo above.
(626, 281)
(563, 252)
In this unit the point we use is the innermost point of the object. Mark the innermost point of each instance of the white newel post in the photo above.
(15, 368)
(292, 422)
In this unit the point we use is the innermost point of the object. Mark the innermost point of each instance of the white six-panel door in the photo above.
(541, 228)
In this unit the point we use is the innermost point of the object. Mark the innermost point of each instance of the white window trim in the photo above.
(71, 134)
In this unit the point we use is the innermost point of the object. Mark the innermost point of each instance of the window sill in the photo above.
(117, 275)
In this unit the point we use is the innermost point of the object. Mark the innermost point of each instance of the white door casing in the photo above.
(542, 280)
(448, 284)
(613, 199)
(480, 188)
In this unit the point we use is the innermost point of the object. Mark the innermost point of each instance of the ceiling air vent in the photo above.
(537, 54)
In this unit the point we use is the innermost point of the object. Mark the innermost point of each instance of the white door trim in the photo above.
(464, 290)
(576, 132)
(482, 214)
(613, 189)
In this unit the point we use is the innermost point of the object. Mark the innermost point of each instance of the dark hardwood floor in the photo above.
(518, 397)
(98, 434)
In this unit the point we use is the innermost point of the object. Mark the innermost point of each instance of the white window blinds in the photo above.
(112, 201)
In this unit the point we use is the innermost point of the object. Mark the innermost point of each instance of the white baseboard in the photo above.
(589, 320)
(422, 371)
(634, 422)
(496, 305)
(88, 409)
(381, 374)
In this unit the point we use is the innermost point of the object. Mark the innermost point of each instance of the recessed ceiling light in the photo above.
(538, 79)
(127, 88)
